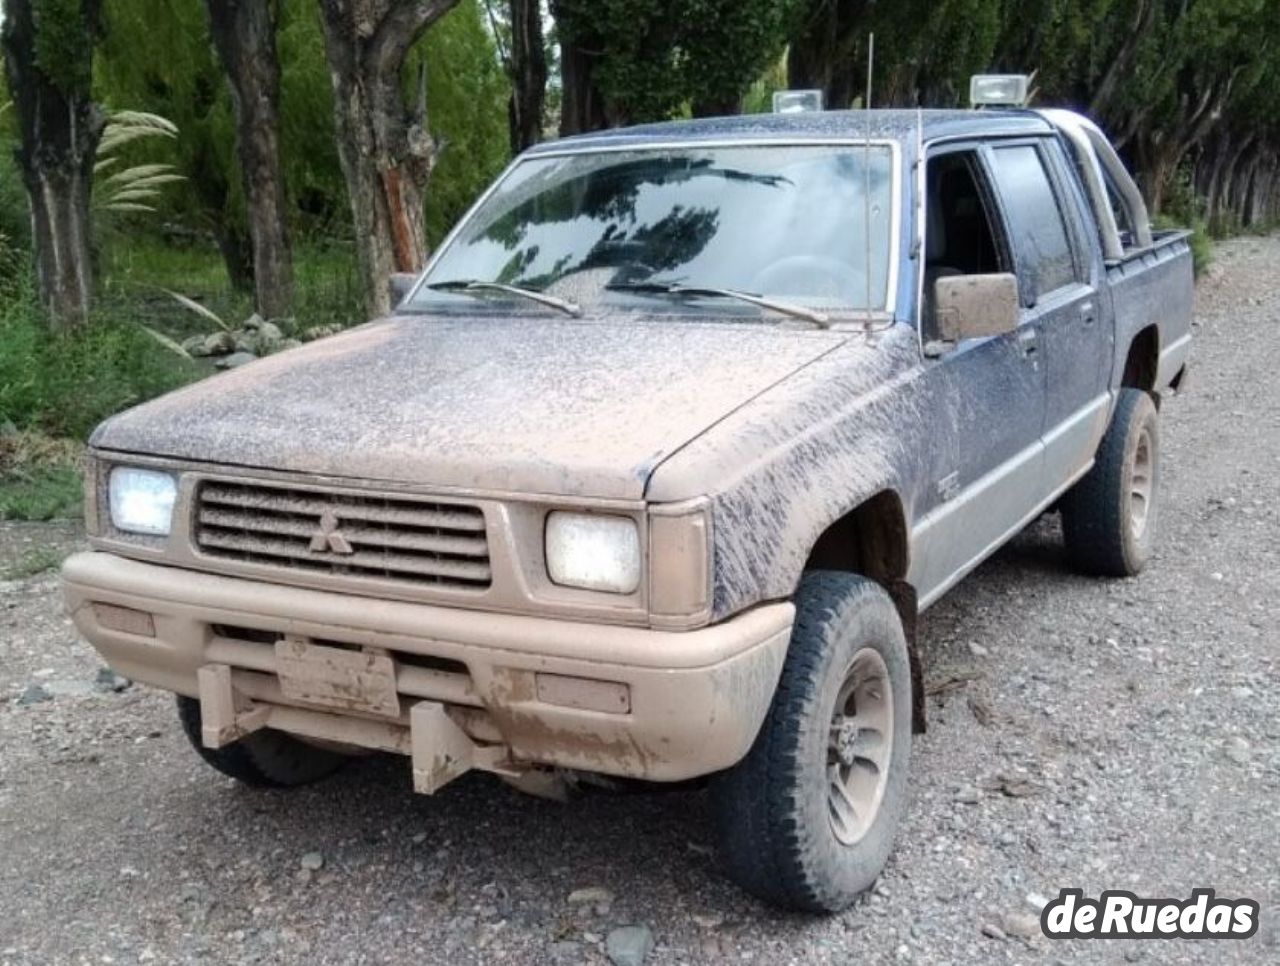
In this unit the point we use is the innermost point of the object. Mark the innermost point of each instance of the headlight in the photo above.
(141, 500)
(593, 552)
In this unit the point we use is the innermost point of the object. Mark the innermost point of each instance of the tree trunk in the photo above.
(237, 255)
(1252, 207)
(528, 74)
(1226, 187)
(244, 35)
(1208, 180)
(60, 128)
(582, 106)
(1157, 160)
(1243, 188)
(385, 149)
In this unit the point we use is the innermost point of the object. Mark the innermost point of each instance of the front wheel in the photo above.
(807, 820)
(1109, 516)
(264, 759)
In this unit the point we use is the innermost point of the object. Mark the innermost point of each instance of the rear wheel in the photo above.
(1109, 516)
(807, 819)
(264, 759)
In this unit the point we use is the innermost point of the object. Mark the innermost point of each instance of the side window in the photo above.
(1040, 241)
(1119, 211)
(959, 235)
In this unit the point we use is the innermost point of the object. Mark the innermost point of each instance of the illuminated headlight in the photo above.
(141, 500)
(593, 552)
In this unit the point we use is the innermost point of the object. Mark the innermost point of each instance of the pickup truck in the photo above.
(652, 470)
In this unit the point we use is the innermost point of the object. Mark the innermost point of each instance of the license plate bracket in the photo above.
(363, 682)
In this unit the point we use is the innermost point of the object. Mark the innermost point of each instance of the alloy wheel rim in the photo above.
(859, 747)
(1141, 484)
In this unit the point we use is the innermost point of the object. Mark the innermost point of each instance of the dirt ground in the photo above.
(1084, 733)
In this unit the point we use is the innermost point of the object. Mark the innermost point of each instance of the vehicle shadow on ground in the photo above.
(647, 844)
(478, 838)
(1036, 550)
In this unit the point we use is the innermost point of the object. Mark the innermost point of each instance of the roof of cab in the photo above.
(898, 125)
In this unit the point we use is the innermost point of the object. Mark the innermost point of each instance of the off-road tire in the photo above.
(776, 839)
(264, 759)
(1100, 517)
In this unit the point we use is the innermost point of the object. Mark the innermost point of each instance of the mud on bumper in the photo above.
(454, 689)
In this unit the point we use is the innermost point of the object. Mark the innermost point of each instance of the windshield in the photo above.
(783, 222)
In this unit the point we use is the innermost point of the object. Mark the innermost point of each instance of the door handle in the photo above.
(1087, 313)
(1027, 339)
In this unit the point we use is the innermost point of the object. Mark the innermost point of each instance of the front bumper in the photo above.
(626, 701)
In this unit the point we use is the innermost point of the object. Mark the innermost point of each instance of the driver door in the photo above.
(987, 397)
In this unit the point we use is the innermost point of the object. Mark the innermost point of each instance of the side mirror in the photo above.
(974, 306)
(401, 284)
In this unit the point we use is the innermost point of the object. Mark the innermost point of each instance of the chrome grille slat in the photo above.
(292, 526)
(388, 538)
(370, 509)
(259, 546)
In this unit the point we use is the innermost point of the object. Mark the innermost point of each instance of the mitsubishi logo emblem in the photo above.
(329, 538)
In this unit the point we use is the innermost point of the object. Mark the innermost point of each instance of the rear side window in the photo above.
(1040, 242)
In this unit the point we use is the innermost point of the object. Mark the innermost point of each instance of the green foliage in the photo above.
(1175, 83)
(136, 274)
(13, 266)
(39, 480)
(39, 493)
(156, 55)
(15, 219)
(64, 385)
(934, 48)
(1183, 209)
(724, 46)
(62, 28)
(467, 93)
(759, 96)
(671, 56)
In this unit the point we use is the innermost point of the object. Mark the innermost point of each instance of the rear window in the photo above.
(1040, 242)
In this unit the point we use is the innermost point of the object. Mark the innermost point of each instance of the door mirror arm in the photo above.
(400, 284)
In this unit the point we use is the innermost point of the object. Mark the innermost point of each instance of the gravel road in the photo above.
(1084, 733)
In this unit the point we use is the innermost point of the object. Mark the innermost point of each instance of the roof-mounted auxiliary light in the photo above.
(796, 102)
(999, 90)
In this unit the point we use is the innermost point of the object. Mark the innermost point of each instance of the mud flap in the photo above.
(904, 598)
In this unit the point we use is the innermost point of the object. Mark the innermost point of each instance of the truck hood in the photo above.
(514, 405)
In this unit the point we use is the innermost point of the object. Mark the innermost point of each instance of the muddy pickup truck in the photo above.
(651, 472)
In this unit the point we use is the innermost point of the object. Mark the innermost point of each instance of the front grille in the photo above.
(345, 534)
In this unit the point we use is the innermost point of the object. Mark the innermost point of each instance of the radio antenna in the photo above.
(866, 173)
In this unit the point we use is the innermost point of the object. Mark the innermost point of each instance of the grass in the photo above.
(326, 284)
(33, 562)
(41, 493)
(39, 477)
(64, 385)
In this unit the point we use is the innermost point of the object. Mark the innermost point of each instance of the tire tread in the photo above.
(762, 838)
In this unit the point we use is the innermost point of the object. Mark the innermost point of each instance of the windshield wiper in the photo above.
(675, 288)
(476, 287)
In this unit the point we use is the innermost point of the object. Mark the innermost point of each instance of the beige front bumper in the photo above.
(626, 701)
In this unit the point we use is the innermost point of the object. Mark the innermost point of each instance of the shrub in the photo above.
(1183, 208)
(65, 385)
